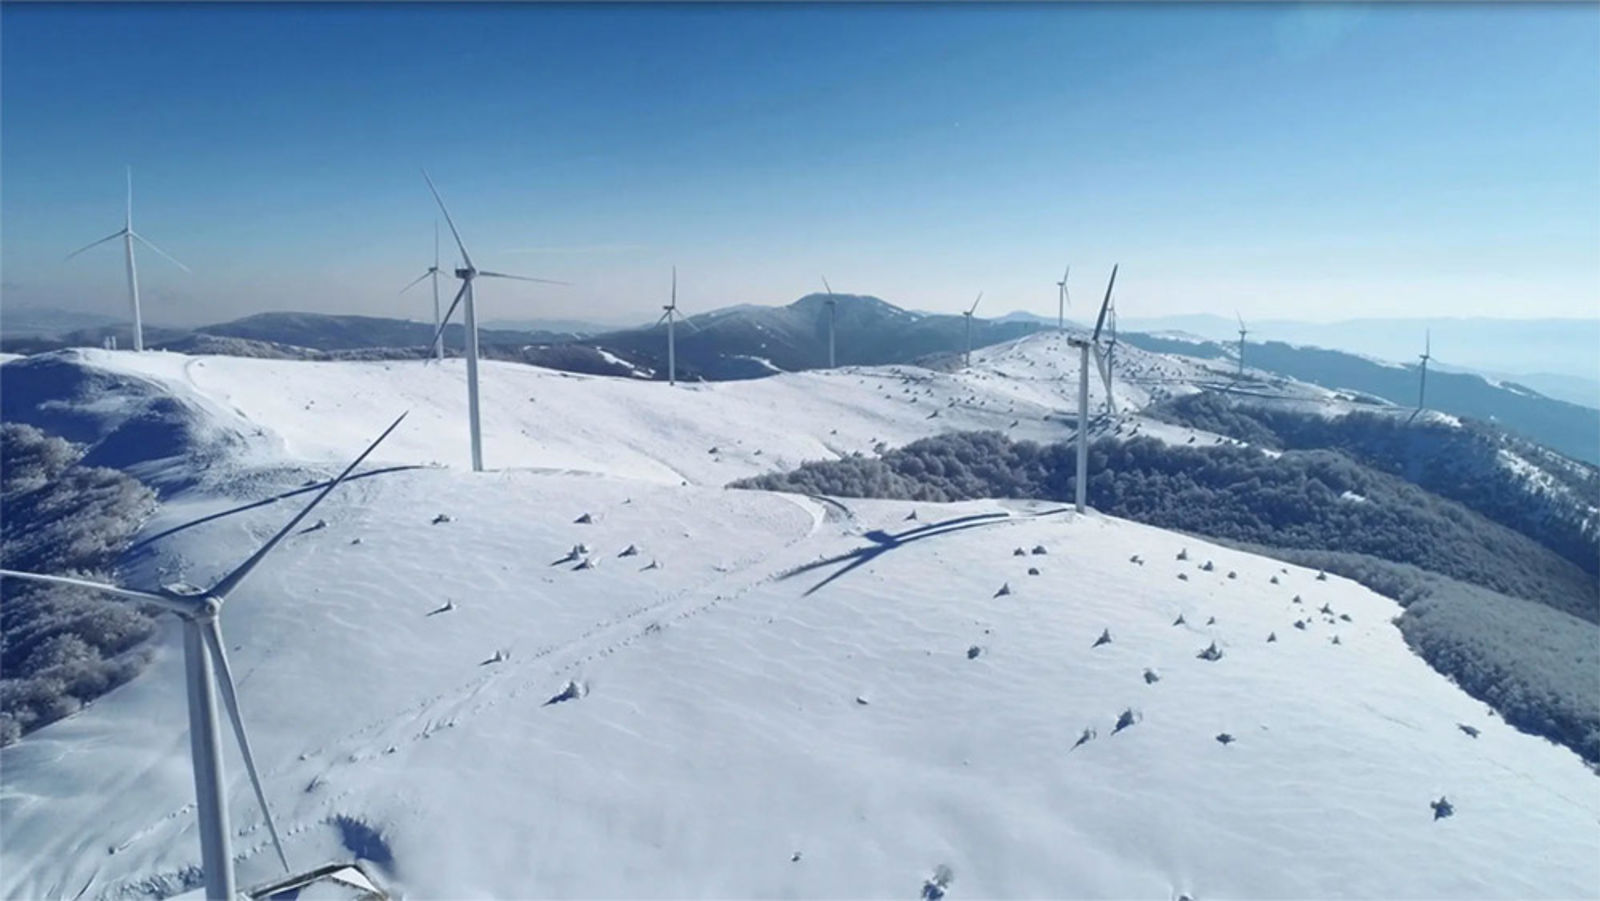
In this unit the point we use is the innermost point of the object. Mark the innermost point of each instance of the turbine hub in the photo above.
(466, 274)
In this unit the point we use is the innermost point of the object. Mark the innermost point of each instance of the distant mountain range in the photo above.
(1565, 427)
(750, 341)
(1555, 356)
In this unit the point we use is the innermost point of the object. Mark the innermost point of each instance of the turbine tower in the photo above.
(128, 236)
(968, 315)
(1427, 351)
(670, 317)
(468, 273)
(1084, 349)
(833, 309)
(433, 272)
(1242, 333)
(1061, 301)
(206, 668)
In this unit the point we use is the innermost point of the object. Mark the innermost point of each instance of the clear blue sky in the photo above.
(1290, 161)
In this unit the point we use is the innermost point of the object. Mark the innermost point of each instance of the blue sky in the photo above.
(1290, 161)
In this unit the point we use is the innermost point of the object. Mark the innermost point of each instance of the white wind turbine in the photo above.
(128, 236)
(1242, 333)
(968, 316)
(1427, 354)
(670, 317)
(1085, 347)
(1061, 301)
(206, 669)
(433, 272)
(833, 309)
(467, 274)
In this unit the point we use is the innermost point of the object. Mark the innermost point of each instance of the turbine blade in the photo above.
(146, 242)
(451, 222)
(212, 632)
(444, 323)
(436, 242)
(231, 581)
(522, 278)
(132, 594)
(975, 304)
(674, 304)
(1064, 275)
(827, 286)
(111, 237)
(1240, 318)
(1427, 342)
(662, 319)
(1105, 377)
(415, 283)
(1105, 304)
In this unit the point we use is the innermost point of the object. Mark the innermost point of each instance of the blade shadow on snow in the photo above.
(883, 542)
(231, 511)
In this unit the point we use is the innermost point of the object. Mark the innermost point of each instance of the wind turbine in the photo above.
(1427, 351)
(968, 315)
(433, 271)
(1061, 301)
(1242, 333)
(206, 668)
(833, 308)
(670, 317)
(1084, 349)
(467, 273)
(128, 236)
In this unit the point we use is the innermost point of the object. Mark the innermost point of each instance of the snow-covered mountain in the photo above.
(771, 695)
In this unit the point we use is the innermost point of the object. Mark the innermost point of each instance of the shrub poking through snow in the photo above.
(442, 518)
(1033, 570)
(973, 652)
(585, 519)
(1087, 736)
(570, 692)
(1300, 624)
(1274, 580)
(1105, 638)
(935, 886)
(1136, 559)
(1019, 552)
(1124, 720)
(1179, 621)
(1441, 808)
(629, 551)
(1472, 731)
(1211, 621)
(1297, 599)
(1322, 577)
(1225, 738)
(1207, 566)
(1151, 677)
(1272, 636)
(1004, 590)
(1232, 574)
(1183, 554)
(1212, 652)
(1039, 549)
(1183, 577)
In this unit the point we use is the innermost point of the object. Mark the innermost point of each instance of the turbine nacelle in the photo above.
(465, 274)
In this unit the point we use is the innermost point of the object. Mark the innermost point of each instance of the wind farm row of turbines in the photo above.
(1102, 351)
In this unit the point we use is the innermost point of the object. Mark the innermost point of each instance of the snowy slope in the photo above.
(720, 730)
(545, 419)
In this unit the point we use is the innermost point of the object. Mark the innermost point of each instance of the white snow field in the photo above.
(741, 726)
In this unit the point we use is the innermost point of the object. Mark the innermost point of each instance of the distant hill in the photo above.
(1569, 428)
(1560, 347)
(320, 331)
(868, 331)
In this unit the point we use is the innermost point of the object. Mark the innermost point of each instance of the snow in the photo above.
(718, 733)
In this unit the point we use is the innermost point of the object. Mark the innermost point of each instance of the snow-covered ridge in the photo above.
(741, 720)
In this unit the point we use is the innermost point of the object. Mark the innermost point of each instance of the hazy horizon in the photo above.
(1315, 163)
